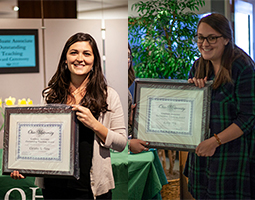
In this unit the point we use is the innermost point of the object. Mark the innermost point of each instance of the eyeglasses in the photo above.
(211, 39)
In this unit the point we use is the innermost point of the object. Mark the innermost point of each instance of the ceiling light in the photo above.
(15, 8)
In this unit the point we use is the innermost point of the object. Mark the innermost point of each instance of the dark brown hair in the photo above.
(96, 90)
(231, 52)
(131, 72)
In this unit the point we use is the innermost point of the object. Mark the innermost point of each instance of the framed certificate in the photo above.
(171, 114)
(41, 141)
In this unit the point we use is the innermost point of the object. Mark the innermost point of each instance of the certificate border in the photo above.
(73, 168)
(171, 84)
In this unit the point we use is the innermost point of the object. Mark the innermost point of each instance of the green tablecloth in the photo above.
(120, 173)
(144, 179)
(145, 176)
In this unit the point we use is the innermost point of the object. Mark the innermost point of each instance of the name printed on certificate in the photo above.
(39, 141)
(169, 116)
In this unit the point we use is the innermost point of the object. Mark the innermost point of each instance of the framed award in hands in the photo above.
(171, 114)
(41, 141)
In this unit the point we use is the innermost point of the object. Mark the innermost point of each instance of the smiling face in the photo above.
(80, 59)
(212, 52)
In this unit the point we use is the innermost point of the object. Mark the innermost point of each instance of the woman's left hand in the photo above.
(207, 147)
(85, 116)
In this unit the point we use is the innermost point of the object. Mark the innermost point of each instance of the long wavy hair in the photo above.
(131, 72)
(231, 52)
(96, 89)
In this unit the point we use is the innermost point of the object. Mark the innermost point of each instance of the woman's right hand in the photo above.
(198, 82)
(16, 175)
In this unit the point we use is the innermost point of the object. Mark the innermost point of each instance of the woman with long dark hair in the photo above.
(79, 82)
(222, 166)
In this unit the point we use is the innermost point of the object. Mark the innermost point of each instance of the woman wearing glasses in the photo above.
(221, 167)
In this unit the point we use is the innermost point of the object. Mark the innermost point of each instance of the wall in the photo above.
(117, 57)
(6, 10)
(108, 13)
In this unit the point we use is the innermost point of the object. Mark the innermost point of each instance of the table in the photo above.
(145, 175)
(120, 173)
(137, 176)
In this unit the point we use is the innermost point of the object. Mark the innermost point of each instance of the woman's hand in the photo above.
(85, 116)
(137, 146)
(207, 147)
(16, 175)
(198, 82)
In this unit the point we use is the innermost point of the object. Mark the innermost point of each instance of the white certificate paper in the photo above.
(169, 116)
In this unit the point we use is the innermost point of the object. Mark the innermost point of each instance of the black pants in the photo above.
(69, 193)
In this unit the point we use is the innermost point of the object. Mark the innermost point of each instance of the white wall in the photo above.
(6, 9)
(116, 52)
(108, 13)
